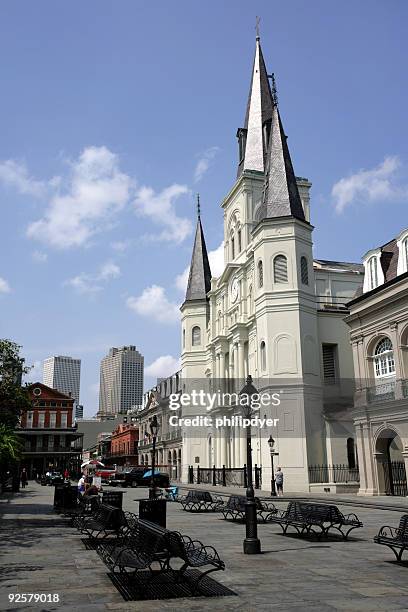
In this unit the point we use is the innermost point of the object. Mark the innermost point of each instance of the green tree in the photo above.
(13, 397)
(10, 447)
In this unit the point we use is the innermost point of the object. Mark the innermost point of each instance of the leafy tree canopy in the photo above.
(13, 397)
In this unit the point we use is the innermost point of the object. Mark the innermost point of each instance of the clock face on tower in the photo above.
(234, 290)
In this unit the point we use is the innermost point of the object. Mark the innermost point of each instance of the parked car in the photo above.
(134, 477)
(52, 478)
(106, 473)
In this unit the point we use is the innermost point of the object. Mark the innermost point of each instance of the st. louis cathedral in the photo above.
(275, 312)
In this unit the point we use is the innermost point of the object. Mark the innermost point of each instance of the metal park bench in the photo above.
(306, 518)
(235, 509)
(104, 521)
(395, 538)
(148, 543)
(201, 501)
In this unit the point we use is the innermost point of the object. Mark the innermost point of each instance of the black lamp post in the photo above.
(154, 426)
(271, 443)
(252, 545)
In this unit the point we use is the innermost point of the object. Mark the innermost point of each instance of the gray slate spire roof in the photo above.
(199, 280)
(259, 111)
(281, 195)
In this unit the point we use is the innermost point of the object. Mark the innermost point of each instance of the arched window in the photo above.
(372, 273)
(384, 358)
(280, 269)
(239, 241)
(260, 273)
(232, 246)
(304, 272)
(351, 454)
(184, 338)
(405, 252)
(263, 356)
(196, 336)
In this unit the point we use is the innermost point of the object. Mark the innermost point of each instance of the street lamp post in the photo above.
(252, 544)
(271, 443)
(154, 426)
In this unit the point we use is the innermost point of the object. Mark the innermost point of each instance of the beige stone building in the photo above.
(378, 322)
(275, 313)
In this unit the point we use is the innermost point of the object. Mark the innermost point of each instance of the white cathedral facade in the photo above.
(275, 313)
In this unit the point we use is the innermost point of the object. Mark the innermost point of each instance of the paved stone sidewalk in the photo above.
(41, 554)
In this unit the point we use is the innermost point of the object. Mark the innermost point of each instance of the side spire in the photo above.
(199, 280)
(254, 135)
(281, 195)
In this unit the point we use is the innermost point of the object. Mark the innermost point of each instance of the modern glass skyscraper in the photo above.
(64, 374)
(121, 381)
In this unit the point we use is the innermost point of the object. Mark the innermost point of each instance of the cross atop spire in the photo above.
(198, 206)
(253, 136)
(258, 19)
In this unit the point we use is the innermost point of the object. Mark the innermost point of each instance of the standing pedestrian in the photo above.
(279, 481)
(81, 484)
(23, 478)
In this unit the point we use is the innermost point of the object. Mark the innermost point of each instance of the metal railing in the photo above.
(224, 477)
(381, 392)
(323, 474)
(51, 449)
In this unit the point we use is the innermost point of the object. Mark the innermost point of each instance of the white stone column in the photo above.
(241, 365)
(223, 443)
(222, 371)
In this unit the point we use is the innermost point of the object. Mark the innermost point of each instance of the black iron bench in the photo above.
(143, 545)
(395, 538)
(316, 519)
(193, 554)
(86, 505)
(148, 543)
(201, 501)
(104, 521)
(235, 509)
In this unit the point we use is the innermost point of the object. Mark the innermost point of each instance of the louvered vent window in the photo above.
(329, 364)
(280, 269)
(304, 274)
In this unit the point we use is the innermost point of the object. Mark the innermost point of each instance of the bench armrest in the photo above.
(212, 554)
(269, 506)
(386, 531)
(352, 517)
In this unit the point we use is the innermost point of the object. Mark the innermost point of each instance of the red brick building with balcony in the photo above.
(124, 445)
(50, 438)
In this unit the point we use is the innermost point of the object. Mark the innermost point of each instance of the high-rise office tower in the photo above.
(121, 380)
(63, 374)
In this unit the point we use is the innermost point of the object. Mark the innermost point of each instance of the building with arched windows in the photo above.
(378, 322)
(275, 313)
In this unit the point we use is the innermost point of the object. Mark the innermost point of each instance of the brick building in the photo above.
(48, 432)
(124, 445)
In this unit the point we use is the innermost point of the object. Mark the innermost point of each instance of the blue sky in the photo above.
(112, 117)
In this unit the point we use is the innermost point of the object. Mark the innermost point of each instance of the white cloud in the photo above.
(159, 207)
(36, 372)
(108, 270)
(204, 163)
(216, 258)
(163, 366)
(120, 245)
(378, 184)
(4, 286)
(93, 283)
(95, 192)
(39, 256)
(154, 303)
(15, 174)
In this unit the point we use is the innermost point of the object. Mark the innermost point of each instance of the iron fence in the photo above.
(395, 478)
(225, 477)
(323, 474)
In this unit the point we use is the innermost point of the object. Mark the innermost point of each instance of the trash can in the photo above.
(15, 487)
(113, 498)
(153, 510)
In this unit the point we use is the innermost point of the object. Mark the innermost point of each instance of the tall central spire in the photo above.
(253, 136)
